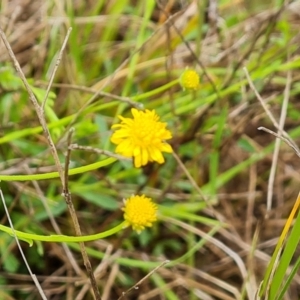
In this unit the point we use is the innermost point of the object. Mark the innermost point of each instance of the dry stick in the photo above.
(126, 100)
(35, 280)
(56, 67)
(98, 151)
(197, 188)
(251, 261)
(111, 280)
(263, 104)
(250, 203)
(190, 178)
(277, 142)
(100, 268)
(279, 127)
(68, 198)
(42, 120)
(136, 286)
(288, 142)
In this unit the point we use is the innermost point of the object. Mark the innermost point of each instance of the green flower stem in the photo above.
(155, 91)
(51, 175)
(29, 237)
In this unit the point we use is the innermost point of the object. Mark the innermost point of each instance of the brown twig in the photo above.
(277, 142)
(68, 198)
(56, 67)
(40, 114)
(136, 286)
(98, 151)
(266, 109)
(89, 90)
(281, 133)
(287, 141)
(197, 188)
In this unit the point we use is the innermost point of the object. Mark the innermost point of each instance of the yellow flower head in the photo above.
(139, 212)
(190, 80)
(142, 137)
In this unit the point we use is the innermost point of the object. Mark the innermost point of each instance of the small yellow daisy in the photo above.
(190, 80)
(139, 212)
(142, 137)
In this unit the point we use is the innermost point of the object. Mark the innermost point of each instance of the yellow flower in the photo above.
(190, 80)
(142, 137)
(139, 212)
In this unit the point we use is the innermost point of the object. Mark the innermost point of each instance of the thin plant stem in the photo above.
(51, 175)
(279, 127)
(55, 68)
(68, 198)
(136, 286)
(98, 151)
(278, 141)
(288, 142)
(196, 187)
(59, 238)
(89, 90)
(266, 109)
(13, 232)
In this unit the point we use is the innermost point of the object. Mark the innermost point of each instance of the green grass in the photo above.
(131, 49)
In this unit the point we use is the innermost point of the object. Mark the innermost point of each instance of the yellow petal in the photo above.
(145, 157)
(166, 148)
(138, 161)
(156, 155)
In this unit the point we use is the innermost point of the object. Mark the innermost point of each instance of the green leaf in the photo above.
(57, 208)
(11, 263)
(285, 259)
(246, 145)
(100, 200)
(8, 80)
